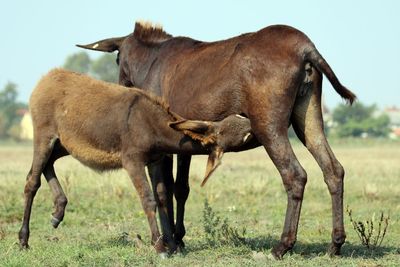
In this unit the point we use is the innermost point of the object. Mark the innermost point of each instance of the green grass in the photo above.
(246, 190)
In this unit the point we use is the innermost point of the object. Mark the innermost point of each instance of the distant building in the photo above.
(326, 114)
(393, 113)
(26, 132)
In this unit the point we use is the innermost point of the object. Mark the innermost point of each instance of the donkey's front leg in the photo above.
(181, 191)
(162, 182)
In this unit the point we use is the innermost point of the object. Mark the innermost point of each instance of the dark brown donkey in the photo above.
(107, 126)
(273, 76)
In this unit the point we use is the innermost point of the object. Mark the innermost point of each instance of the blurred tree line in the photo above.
(104, 68)
(12, 110)
(358, 120)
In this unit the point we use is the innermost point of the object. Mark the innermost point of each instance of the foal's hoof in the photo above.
(55, 222)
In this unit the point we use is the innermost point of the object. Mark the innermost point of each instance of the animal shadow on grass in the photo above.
(218, 232)
(261, 243)
(349, 250)
(120, 240)
(306, 250)
(256, 243)
(125, 239)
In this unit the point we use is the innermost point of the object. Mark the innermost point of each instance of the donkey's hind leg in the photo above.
(269, 124)
(308, 125)
(41, 152)
(60, 200)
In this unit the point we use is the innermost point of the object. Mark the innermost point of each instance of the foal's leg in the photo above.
(41, 152)
(181, 190)
(163, 196)
(60, 200)
(136, 171)
(269, 115)
(308, 124)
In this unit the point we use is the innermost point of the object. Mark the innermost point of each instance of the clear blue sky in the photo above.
(360, 39)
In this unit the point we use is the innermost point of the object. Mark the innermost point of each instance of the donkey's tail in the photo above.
(313, 56)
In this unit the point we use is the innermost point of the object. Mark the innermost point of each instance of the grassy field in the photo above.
(104, 214)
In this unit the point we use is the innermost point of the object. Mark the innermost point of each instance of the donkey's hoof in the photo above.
(334, 250)
(180, 250)
(55, 222)
(275, 255)
(23, 245)
(278, 252)
(163, 255)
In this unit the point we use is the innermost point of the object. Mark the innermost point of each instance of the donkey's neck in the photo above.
(140, 70)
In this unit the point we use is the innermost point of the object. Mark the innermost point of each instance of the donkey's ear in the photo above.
(191, 126)
(106, 45)
(214, 160)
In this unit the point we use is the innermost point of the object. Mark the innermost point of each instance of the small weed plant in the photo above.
(371, 232)
(218, 231)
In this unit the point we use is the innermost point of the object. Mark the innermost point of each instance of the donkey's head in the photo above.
(144, 32)
(133, 49)
(232, 132)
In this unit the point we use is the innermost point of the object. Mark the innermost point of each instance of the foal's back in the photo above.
(85, 114)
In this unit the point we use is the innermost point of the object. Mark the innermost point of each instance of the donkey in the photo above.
(272, 76)
(106, 126)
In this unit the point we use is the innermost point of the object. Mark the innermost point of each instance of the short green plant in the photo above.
(2, 233)
(218, 231)
(369, 236)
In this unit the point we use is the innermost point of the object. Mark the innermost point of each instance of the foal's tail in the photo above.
(313, 56)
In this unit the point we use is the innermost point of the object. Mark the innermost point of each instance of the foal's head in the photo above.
(232, 132)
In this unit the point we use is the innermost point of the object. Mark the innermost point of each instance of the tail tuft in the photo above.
(348, 95)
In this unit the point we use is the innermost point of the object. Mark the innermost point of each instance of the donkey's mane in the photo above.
(148, 32)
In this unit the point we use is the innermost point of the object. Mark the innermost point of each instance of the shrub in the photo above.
(369, 235)
(218, 231)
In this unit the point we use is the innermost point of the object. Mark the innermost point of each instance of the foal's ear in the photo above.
(201, 131)
(214, 160)
(191, 126)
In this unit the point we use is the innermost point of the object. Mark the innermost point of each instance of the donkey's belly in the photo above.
(93, 157)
